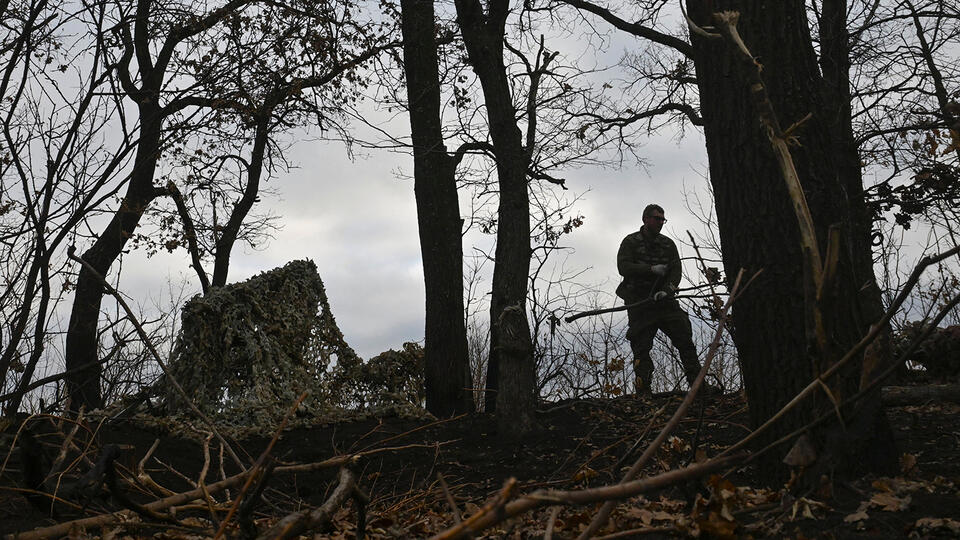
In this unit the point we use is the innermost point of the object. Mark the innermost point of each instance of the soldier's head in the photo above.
(653, 217)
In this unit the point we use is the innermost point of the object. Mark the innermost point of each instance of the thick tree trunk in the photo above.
(447, 364)
(511, 378)
(82, 349)
(758, 228)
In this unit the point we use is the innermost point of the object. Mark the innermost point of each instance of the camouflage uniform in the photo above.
(636, 256)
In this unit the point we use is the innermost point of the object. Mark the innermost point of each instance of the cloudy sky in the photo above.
(357, 221)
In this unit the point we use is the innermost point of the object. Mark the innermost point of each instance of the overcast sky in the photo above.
(357, 221)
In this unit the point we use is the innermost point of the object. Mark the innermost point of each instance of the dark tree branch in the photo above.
(636, 29)
(464, 148)
(190, 232)
(623, 121)
(537, 174)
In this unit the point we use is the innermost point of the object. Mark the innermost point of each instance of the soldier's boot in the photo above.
(691, 368)
(642, 370)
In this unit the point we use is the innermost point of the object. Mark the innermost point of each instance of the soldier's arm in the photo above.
(626, 265)
(676, 269)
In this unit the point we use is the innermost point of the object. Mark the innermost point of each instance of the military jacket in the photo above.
(636, 255)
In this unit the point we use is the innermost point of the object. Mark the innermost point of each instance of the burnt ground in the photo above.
(579, 444)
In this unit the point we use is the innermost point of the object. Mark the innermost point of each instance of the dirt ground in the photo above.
(579, 444)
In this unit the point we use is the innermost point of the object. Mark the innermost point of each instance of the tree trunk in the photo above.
(446, 361)
(230, 232)
(511, 378)
(83, 385)
(758, 229)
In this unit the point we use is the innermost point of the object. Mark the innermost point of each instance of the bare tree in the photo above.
(214, 74)
(269, 70)
(64, 155)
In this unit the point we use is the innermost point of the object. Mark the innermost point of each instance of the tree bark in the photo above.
(511, 350)
(758, 228)
(446, 361)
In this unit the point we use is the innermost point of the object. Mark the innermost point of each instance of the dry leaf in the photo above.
(928, 523)
(908, 464)
(890, 503)
(660, 515)
(583, 474)
(881, 484)
(642, 514)
(717, 526)
(859, 515)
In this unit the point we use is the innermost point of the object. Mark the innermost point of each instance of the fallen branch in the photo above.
(180, 499)
(300, 522)
(780, 140)
(587, 496)
(494, 507)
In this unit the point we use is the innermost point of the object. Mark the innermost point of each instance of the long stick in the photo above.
(607, 310)
(586, 496)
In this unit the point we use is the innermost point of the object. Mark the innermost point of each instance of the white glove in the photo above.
(660, 295)
(659, 269)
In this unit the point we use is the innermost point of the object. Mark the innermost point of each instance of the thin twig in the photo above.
(633, 533)
(449, 497)
(144, 478)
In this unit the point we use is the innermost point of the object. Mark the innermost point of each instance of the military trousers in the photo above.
(643, 324)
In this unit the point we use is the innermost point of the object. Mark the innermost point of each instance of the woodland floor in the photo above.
(580, 444)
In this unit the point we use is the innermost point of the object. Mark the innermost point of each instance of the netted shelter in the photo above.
(247, 350)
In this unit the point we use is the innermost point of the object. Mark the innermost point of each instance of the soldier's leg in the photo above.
(641, 331)
(676, 325)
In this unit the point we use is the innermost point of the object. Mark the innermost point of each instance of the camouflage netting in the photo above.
(939, 354)
(390, 379)
(248, 350)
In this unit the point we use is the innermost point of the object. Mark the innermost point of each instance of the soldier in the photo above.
(650, 265)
